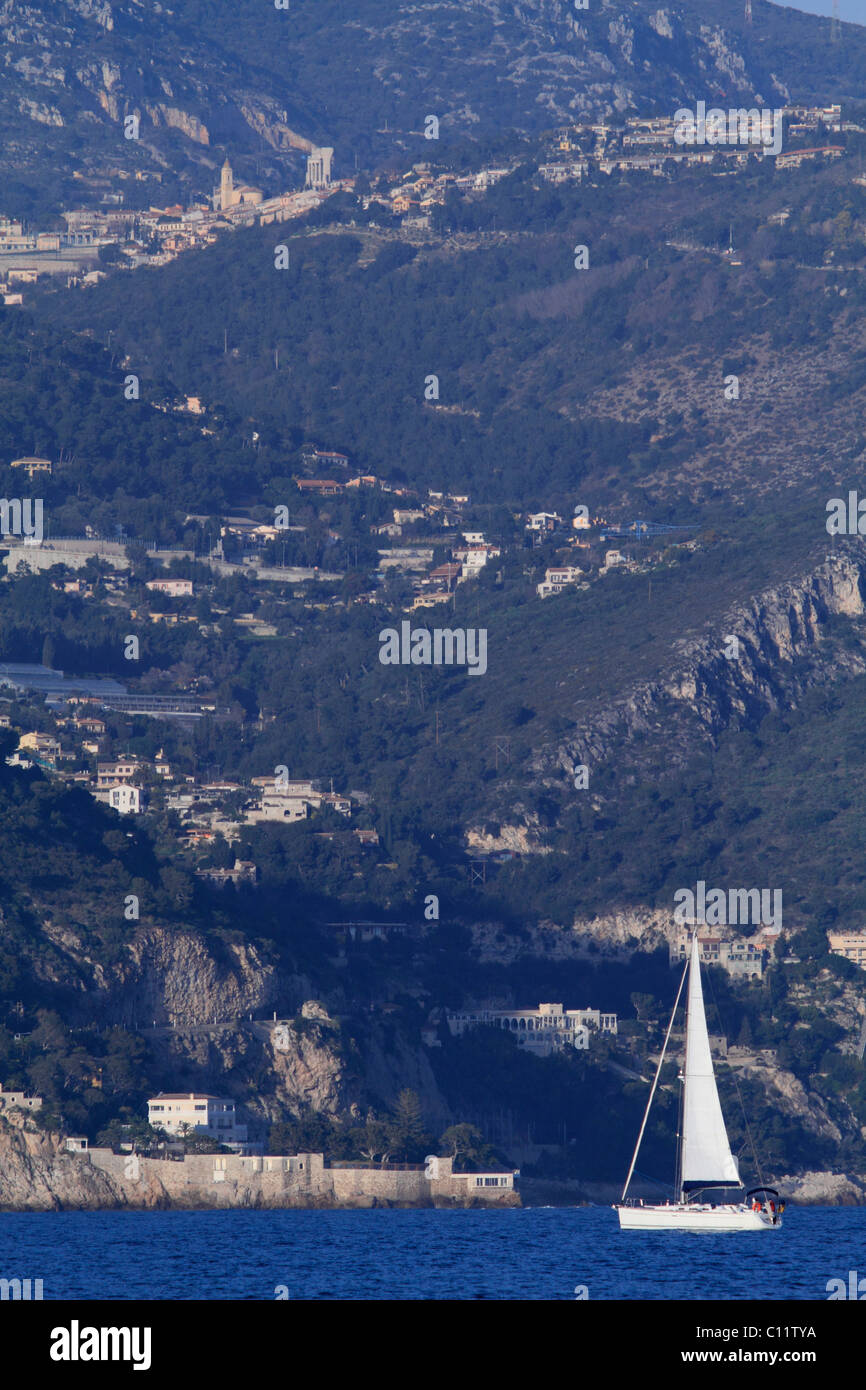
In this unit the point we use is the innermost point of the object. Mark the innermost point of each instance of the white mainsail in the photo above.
(706, 1153)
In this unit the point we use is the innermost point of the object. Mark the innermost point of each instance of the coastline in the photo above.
(811, 1189)
(38, 1173)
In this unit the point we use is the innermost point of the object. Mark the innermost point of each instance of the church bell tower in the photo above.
(226, 186)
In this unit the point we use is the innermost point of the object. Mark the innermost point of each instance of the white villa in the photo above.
(557, 578)
(544, 1030)
(180, 1112)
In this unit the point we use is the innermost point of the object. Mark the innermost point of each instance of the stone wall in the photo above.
(229, 1180)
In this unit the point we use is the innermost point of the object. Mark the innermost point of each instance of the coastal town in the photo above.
(107, 235)
(72, 726)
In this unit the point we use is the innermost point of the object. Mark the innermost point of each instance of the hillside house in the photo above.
(322, 487)
(110, 774)
(473, 558)
(543, 521)
(88, 724)
(851, 945)
(557, 578)
(43, 746)
(283, 809)
(123, 798)
(175, 588)
(327, 458)
(243, 871)
(736, 955)
(18, 1100)
(29, 463)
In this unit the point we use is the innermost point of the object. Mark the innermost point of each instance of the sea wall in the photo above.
(37, 1173)
(297, 1180)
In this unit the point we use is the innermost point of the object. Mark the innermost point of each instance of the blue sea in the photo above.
(531, 1253)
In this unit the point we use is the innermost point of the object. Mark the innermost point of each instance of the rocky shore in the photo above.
(37, 1174)
(804, 1189)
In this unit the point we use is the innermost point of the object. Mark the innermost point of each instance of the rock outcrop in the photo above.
(781, 652)
(785, 647)
(36, 1174)
(160, 977)
(824, 1189)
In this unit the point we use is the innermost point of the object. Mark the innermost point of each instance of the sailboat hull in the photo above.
(682, 1216)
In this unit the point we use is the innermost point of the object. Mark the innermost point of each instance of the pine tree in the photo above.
(410, 1139)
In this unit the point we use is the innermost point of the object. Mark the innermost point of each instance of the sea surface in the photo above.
(530, 1253)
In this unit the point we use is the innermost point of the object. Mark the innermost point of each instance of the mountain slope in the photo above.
(364, 82)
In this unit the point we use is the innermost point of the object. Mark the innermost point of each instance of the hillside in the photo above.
(557, 388)
(338, 347)
(75, 68)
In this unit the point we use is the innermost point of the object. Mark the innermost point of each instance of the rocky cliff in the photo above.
(760, 657)
(781, 649)
(241, 73)
(36, 1173)
(159, 977)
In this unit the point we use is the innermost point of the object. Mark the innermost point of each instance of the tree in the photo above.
(645, 1006)
(375, 1141)
(409, 1137)
(127, 1128)
(466, 1145)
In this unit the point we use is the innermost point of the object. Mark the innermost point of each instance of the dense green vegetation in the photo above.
(338, 351)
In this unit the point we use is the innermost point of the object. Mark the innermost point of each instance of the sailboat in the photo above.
(704, 1158)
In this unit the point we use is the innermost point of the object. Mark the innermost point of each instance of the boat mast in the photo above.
(655, 1082)
(681, 1109)
(678, 1185)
